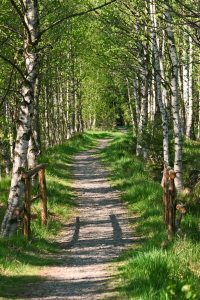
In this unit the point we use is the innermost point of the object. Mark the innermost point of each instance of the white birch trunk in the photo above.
(142, 58)
(165, 94)
(67, 116)
(189, 129)
(34, 144)
(9, 224)
(72, 125)
(137, 100)
(32, 158)
(62, 112)
(183, 120)
(174, 101)
(185, 82)
(199, 107)
(46, 99)
(57, 112)
(158, 84)
(35, 121)
(153, 96)
(130, 106)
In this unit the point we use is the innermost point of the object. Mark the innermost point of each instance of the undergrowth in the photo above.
(21, 260)
(155, 268)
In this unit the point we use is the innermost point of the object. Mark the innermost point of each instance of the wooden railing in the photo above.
(169, 201)
(26, 206)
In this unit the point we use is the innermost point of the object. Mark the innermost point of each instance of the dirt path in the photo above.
(97, 237)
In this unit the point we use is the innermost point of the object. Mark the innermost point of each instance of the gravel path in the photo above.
(97, 237)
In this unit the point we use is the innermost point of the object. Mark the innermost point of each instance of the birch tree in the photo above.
(165, 121)
(28, 13)
(174, 101)
(189, 129)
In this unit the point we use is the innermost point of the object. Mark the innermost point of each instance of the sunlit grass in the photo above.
(156, 268)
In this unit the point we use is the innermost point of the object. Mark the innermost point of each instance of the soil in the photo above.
(99, 234)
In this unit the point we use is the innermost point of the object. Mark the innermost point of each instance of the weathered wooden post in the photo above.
(44, 197)
(27, 206)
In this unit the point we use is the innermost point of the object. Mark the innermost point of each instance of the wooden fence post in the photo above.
(44, 197)
(27, 205)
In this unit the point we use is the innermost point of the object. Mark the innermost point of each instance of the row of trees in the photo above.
(70, 66)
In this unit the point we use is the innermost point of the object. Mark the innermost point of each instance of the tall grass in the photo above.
(155, 268)
(21, 260)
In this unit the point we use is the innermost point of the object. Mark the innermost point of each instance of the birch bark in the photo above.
(130, 106)
(68, 111)
(72, 89)
(142, 58)
(57, 110)
(183, 120)
(137, 99)
(30, 18)
(189, 129)
(174, 102)
(158, 84)
(34, 144)
(46, 99)
(199, 107)
(185, 83)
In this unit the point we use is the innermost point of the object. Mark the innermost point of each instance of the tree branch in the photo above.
(15, 66)
(22, 18)
(12, 29)
(73, 15)
(7, 90)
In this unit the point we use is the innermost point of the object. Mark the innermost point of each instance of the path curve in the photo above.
(99, 234)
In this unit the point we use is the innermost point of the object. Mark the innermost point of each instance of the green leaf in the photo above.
(185, 288)
(188, 295)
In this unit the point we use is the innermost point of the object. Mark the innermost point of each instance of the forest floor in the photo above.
(98, 234)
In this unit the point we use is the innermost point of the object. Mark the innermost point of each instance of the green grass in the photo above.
(21, 260)
(155, 268)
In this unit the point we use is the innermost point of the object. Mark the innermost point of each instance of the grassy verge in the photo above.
(156, 268)
(21, 260)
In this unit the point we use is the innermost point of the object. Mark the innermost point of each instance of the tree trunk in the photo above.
(9, 225)
(68, 112)
(183, 119)
(57, 110)
(185, 83)
(32, 158)
(199, 107)
(46, 99)
(72, 90)
(35, 121)
(189, 129)
(158, 84)
(137, 99)
(34, 145)
(174, 101)
(130, 106)
(142, 57)
(6, 158)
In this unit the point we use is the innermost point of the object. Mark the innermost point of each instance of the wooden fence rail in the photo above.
(169, 201)
(170, 204)
(28, 201)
